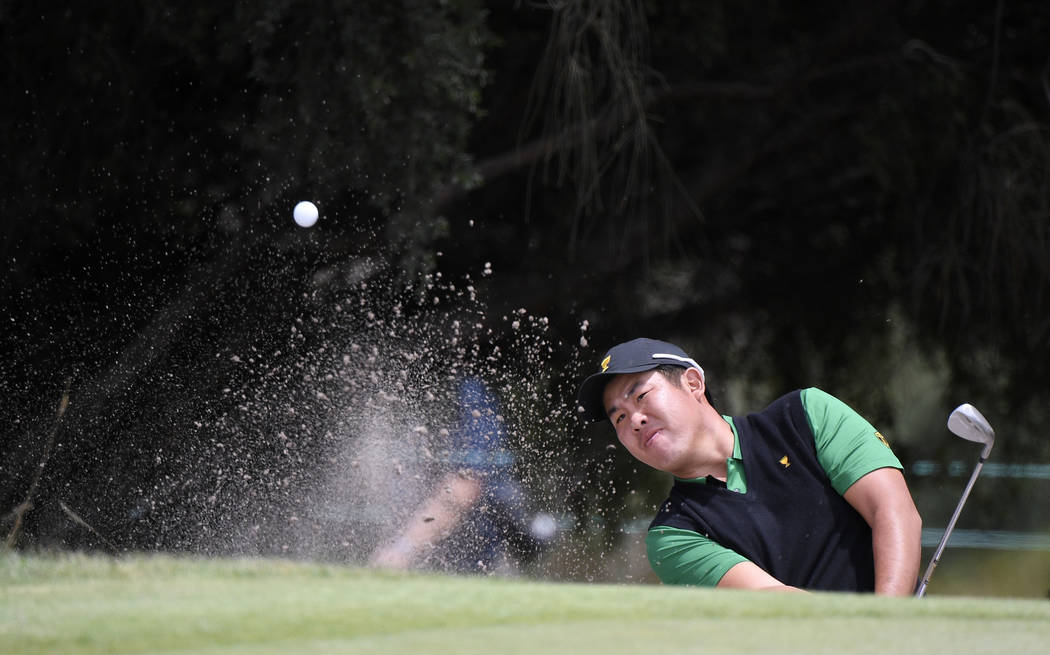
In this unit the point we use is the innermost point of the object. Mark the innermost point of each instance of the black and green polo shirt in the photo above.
(845, 447)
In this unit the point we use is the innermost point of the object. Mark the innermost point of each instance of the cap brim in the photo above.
(593, 388)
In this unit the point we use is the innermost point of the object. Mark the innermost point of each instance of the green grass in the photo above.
(80, 605)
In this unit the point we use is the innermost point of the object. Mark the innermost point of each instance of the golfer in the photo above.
(804, 494)
(476, 519)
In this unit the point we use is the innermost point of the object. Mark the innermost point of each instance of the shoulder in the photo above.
(786, 411)
(827, 414)
(816, 398)
(848, 446)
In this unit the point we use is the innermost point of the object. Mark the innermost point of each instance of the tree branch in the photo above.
(27, 504)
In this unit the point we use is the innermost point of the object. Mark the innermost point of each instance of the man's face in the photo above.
(655, 420)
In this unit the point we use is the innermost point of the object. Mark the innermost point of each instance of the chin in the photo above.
(658, 463)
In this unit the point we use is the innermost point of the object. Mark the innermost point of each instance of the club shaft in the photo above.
(948, 531)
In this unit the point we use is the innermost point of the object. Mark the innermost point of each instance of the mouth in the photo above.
(648, 439)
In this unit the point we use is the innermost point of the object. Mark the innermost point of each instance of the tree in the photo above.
(838, 194)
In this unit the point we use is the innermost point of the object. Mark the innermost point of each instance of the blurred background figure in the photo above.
(476, 519)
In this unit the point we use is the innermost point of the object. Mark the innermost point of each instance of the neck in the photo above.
(714, 448)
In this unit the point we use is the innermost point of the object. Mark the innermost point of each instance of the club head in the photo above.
(968, 423)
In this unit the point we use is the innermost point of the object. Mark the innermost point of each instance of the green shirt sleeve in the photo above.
(684, 557)
(848, 447)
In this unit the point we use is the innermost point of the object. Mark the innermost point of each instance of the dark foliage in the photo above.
(849, 195)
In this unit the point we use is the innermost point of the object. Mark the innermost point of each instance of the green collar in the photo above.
(734, 466)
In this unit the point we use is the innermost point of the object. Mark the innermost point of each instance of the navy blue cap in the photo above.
(629, 357)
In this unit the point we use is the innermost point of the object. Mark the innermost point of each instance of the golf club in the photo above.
(968, 423)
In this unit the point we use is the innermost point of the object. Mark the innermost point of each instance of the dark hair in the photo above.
(673, 372)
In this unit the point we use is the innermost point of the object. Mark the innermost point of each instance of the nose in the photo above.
(638, 420)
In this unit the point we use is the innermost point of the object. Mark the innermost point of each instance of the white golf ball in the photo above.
(543, 526)
(305, 213)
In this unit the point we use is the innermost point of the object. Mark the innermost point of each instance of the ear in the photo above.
(694, 383)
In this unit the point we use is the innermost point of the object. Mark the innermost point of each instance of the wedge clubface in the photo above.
(968, 423)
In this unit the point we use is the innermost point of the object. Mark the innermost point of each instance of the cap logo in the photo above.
(605, 363)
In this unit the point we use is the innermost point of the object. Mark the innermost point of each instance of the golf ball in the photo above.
(305, 213)
(543, 526)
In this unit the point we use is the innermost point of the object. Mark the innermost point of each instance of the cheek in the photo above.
(625, 440)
